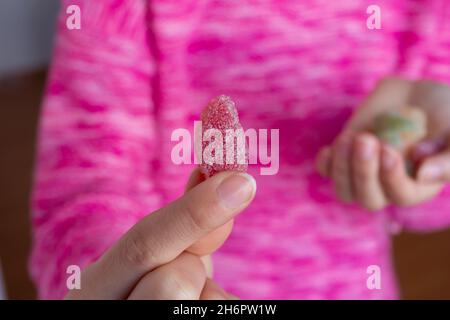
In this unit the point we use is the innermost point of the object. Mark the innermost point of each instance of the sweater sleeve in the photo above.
(434, 214)
(95, 157)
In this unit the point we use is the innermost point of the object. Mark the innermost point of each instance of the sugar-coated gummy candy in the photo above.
(221, 114)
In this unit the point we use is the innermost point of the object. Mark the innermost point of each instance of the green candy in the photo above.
(401, 129)
(392, 127)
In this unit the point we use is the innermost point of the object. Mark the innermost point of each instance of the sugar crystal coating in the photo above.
(221, 114)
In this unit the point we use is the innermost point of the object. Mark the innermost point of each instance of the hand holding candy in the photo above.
(166, 255)
(367, 160)
(401, 129)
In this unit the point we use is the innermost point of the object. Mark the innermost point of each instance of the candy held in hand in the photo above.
(401, 129)
(223, 144)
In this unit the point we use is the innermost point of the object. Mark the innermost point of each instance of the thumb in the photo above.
(435, 168)
(214, 239)
(195, 178)
(427, 148)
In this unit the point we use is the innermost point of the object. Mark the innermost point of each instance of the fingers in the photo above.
(184, 278)
(389, 91)
(212, 291)
(435, 168)
(217, 237)
(181, 279)
(368, 191)
(163, 235)
(340, 168)
(398, 186)
(375, 174)
(427, 148)
(323, 161)
(212, 241)
(207, 263)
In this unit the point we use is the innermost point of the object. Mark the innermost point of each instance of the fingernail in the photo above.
(236, 190)
(431, 172)
(389, 159)
(365, 150)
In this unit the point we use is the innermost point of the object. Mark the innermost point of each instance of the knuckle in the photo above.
(136, 251)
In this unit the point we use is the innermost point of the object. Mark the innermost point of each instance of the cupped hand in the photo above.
(166, 254)
(371, 173)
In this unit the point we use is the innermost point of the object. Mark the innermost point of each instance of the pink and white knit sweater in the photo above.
(139, 69)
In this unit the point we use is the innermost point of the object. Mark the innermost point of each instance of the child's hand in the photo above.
(166, 254)
(373, 174)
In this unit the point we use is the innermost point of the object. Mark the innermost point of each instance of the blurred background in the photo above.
(26, 29)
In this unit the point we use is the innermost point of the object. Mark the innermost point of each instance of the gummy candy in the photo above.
(401, 129)
(221, 114)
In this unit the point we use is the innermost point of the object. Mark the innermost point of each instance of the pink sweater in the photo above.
(139, 69)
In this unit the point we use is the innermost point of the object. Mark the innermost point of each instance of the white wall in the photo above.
(26, 28)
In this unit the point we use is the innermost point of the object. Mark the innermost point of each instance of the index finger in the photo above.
(163, 235)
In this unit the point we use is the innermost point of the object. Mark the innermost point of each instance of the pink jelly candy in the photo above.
(220, 121)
